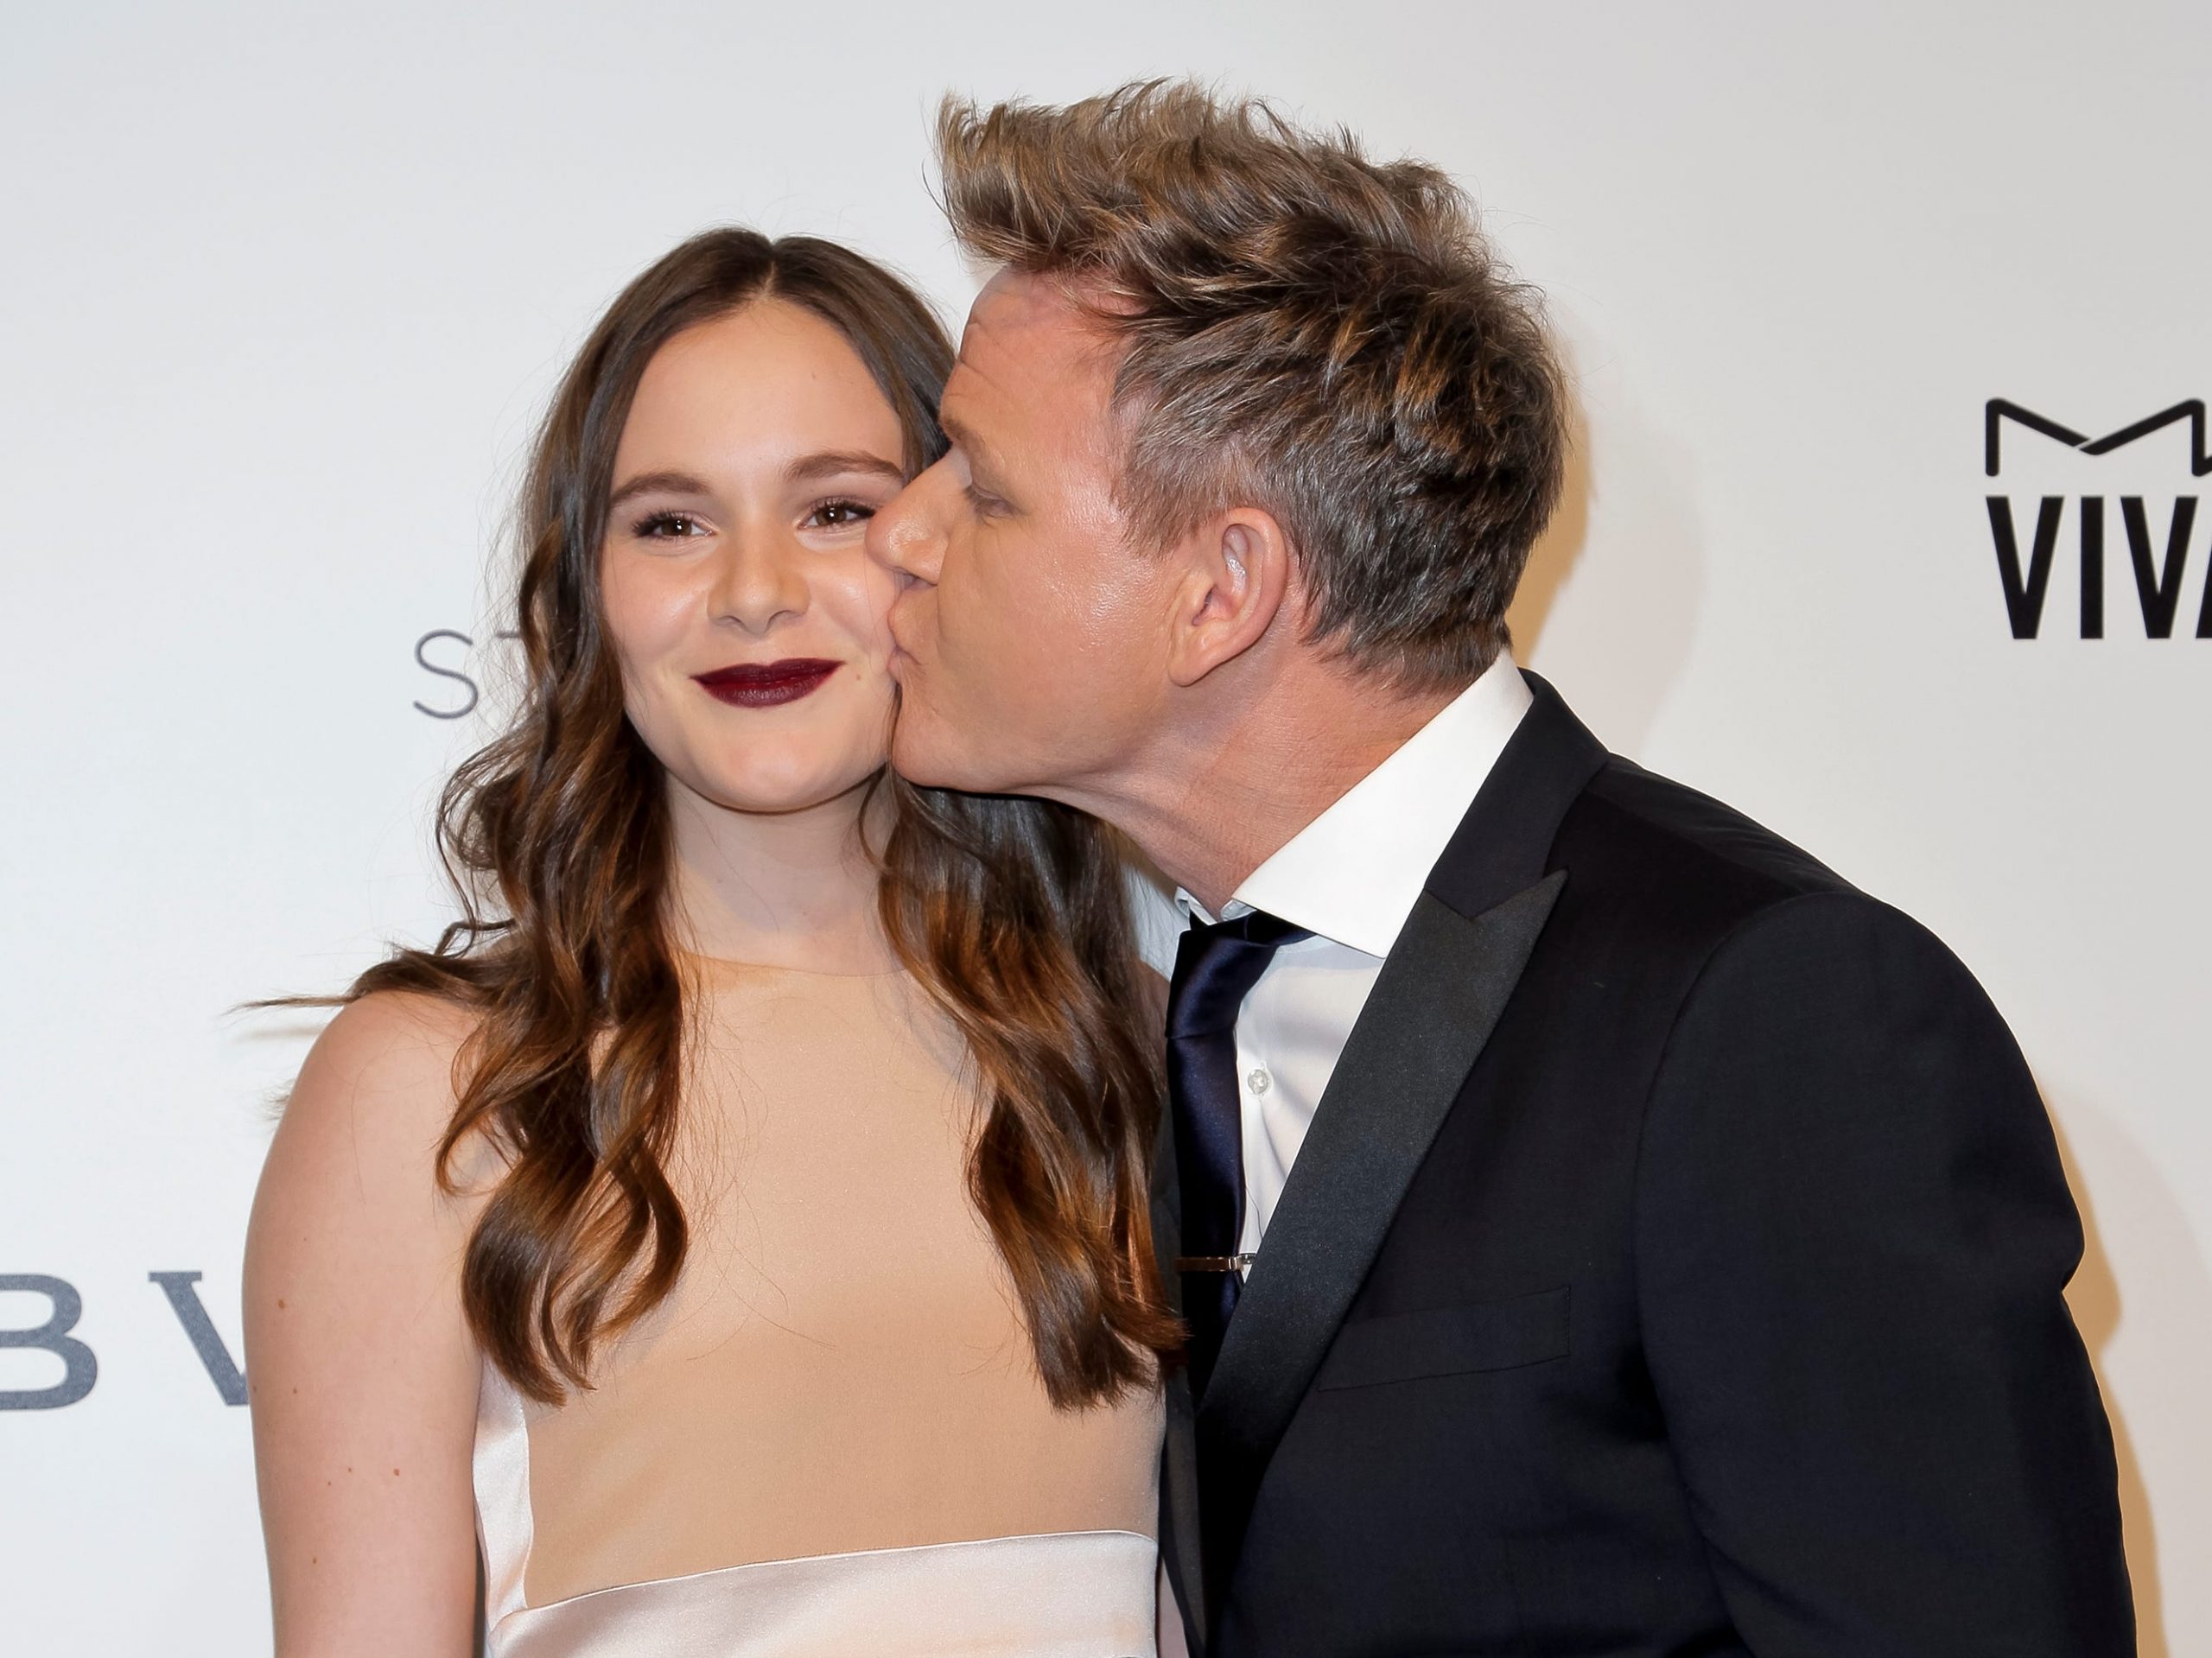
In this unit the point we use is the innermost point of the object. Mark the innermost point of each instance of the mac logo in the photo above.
(2159, 561)
(1999, 411)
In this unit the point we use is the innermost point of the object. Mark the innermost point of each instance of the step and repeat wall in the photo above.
(1888, 331)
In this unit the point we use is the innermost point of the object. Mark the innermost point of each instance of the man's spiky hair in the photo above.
(1306, 331)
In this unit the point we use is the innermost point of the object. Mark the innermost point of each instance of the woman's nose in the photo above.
(758, 583)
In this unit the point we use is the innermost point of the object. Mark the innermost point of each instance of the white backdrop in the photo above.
(285, 288)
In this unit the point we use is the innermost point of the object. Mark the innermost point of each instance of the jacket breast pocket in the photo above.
(1448, 1341)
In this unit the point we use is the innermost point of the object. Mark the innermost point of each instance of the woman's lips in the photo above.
(767, 684)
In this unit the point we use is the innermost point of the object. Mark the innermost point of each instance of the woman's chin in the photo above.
(775, 793)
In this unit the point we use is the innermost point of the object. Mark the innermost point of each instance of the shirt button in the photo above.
(1257, 1080)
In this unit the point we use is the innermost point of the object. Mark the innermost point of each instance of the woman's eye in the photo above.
(838, 515)
(667, 526)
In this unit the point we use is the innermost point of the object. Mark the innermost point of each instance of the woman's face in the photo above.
(748, 618)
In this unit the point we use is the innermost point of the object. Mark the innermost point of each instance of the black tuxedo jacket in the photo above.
(1673, 1267)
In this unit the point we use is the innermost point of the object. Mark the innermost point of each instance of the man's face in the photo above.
(1031, 638)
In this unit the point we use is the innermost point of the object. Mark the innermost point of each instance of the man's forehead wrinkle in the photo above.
(970, 396)
(984, 338)
(993, 360)
(1026, 296)
(1035, 381)
(1060, 302)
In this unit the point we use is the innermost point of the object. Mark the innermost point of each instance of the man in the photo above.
(1601, 1229)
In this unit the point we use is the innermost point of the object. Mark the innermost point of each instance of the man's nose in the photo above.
(904, 536)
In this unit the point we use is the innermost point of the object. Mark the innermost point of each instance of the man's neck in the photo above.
(1224, 790)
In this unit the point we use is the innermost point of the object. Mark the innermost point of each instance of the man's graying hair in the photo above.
(1309, 331)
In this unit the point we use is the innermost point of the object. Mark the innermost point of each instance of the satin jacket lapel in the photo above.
(1179, 1462)
(1432, 1008)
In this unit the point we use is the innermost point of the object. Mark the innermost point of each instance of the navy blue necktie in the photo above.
(1215, 967)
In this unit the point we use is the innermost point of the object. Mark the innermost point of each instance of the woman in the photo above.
(738, 1220)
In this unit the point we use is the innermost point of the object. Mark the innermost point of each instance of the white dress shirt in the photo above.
(1351, 878)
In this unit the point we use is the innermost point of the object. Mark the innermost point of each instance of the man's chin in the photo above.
(921, 753)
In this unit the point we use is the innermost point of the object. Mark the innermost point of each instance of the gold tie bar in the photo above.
(1214, 1263)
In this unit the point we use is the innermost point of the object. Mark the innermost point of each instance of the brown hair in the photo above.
(1012, 913)
(1307, 331)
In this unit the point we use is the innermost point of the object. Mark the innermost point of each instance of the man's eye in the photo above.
(667, 526)
(839, 515)
(985, 504)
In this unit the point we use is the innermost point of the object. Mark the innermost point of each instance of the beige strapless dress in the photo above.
(832, 1439)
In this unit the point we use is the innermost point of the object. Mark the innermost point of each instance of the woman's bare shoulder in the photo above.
(403, 1040)
(360, 1356)
(377, 1090)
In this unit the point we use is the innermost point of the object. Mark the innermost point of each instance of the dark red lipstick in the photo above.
(768, 684)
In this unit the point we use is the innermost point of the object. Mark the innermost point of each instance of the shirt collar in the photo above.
(1353, 874)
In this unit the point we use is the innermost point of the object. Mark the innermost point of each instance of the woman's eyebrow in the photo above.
(837, 463)
(658, 483)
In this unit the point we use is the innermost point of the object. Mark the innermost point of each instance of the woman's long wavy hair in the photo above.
(1011, 914)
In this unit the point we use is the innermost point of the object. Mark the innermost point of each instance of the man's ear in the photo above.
(1236, 582)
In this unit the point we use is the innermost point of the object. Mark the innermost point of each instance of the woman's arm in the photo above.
(363, 1374)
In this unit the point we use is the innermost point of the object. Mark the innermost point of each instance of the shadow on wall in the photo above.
(2095, 1300)
(1553, 557)
(1608, 606)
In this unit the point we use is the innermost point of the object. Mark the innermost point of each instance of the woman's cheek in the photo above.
(647, 608)
(623, 601)
(858, 595)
